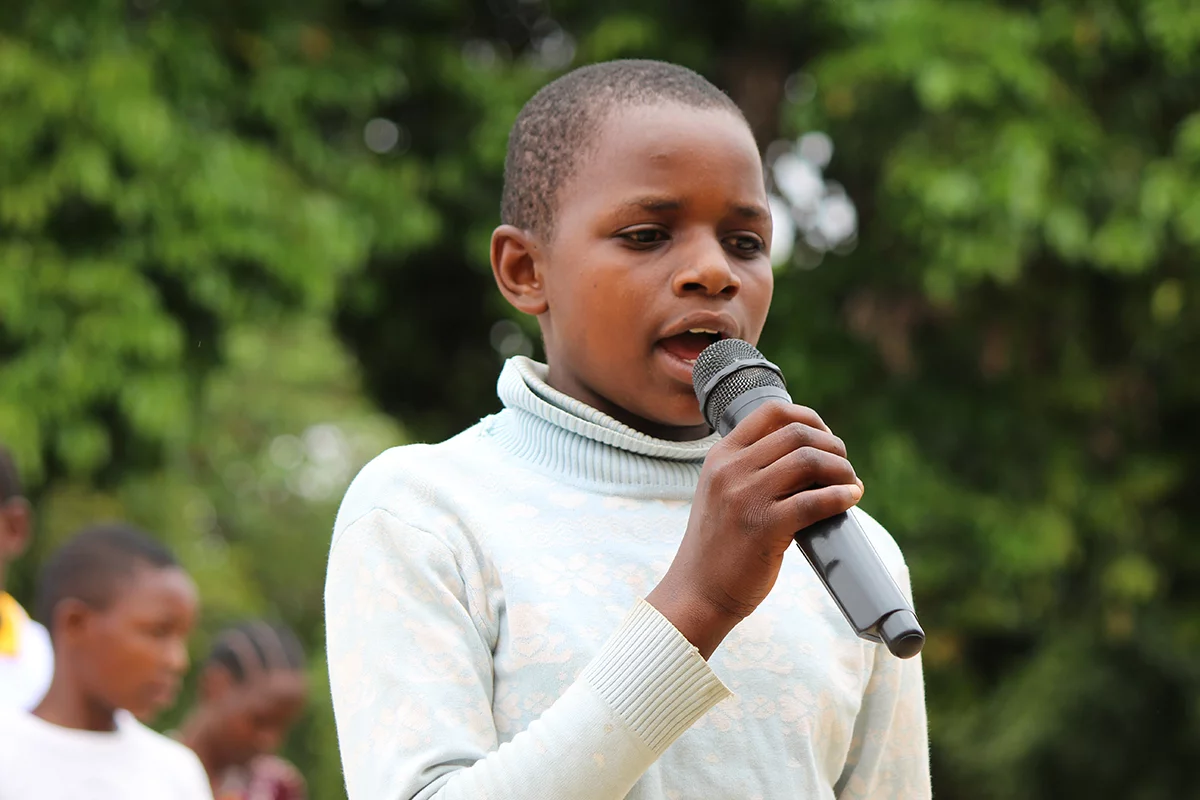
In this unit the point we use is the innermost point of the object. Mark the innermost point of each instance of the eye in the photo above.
(161, 630)
(746, 244)
(644, 237)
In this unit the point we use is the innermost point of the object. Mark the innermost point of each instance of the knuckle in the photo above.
(808, 460)
(718, 476)
(803, 511)
(799, 433)
(836, 465)
(768, 411)
(780, 410)
(725, 478)
(775, 415)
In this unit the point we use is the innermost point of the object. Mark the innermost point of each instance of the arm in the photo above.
(889, 754)
(410, 640)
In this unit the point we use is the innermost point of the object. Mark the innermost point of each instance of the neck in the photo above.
(194, 732)
(670, 433)
(68, 705)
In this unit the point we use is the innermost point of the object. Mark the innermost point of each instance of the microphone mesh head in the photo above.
(716, 357)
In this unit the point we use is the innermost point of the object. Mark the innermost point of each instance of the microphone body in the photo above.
(732, 379)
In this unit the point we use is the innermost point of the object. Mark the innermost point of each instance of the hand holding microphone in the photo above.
(778, 476)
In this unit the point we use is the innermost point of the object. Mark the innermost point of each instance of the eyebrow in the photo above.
(750, 212)
(656, 203)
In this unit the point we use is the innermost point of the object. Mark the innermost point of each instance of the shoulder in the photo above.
(170, 753)
(25, 741)
(414, 480)
(14, 735)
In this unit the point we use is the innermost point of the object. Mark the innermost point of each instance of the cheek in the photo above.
(244, 727)
(125, 665)
(144, 654)
(237, 729)
(757, 290)
(618, 313)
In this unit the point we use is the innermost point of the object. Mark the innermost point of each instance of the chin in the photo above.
(681, 419)
(682, 412)
(143, 714)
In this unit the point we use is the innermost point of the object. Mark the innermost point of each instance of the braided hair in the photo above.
(255, 647)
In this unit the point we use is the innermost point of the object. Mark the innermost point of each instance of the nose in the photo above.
(707, 272)
(177, 656)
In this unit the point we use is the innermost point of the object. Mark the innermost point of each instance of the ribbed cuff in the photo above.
(654, 678)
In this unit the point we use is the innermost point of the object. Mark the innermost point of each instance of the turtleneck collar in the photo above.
(562, 436)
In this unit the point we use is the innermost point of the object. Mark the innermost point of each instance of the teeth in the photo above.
(704, 330)
(690, 361)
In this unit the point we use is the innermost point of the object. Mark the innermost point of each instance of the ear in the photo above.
(14, 528)
(215, 683)
(71, 618)
(516, 265)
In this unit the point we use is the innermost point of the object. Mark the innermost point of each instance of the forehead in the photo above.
(150, 589)
(668, 149)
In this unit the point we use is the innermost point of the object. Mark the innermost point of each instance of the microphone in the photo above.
(732, 379)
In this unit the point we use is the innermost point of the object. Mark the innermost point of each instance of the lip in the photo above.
(719, 321)
(674, 366)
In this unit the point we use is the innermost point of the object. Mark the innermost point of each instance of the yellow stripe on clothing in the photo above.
(12, 623)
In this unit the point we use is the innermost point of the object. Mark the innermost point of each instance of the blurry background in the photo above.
(243, 248)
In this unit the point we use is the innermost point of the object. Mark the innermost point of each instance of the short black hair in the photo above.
(558, 123)
(92, 565)
(257, 646)
(10, 479)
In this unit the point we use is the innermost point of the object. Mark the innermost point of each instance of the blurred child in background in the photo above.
(119, 610)
(252, 690)
(26, 657)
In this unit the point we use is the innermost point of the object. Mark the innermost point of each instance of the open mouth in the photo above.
(688, 346)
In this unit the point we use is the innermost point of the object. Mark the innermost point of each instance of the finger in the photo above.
(769, 417)
(807, 467)
(807, 508)
(788, 439)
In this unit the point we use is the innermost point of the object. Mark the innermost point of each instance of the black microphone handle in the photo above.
(845, 560)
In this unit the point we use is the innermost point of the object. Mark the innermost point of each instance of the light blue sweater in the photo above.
(487, 636)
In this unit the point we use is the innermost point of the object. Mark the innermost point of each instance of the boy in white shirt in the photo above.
(26, 658)
(119, 610)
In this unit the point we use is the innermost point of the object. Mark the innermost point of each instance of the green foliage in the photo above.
(190, 221)
(1026, 277)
